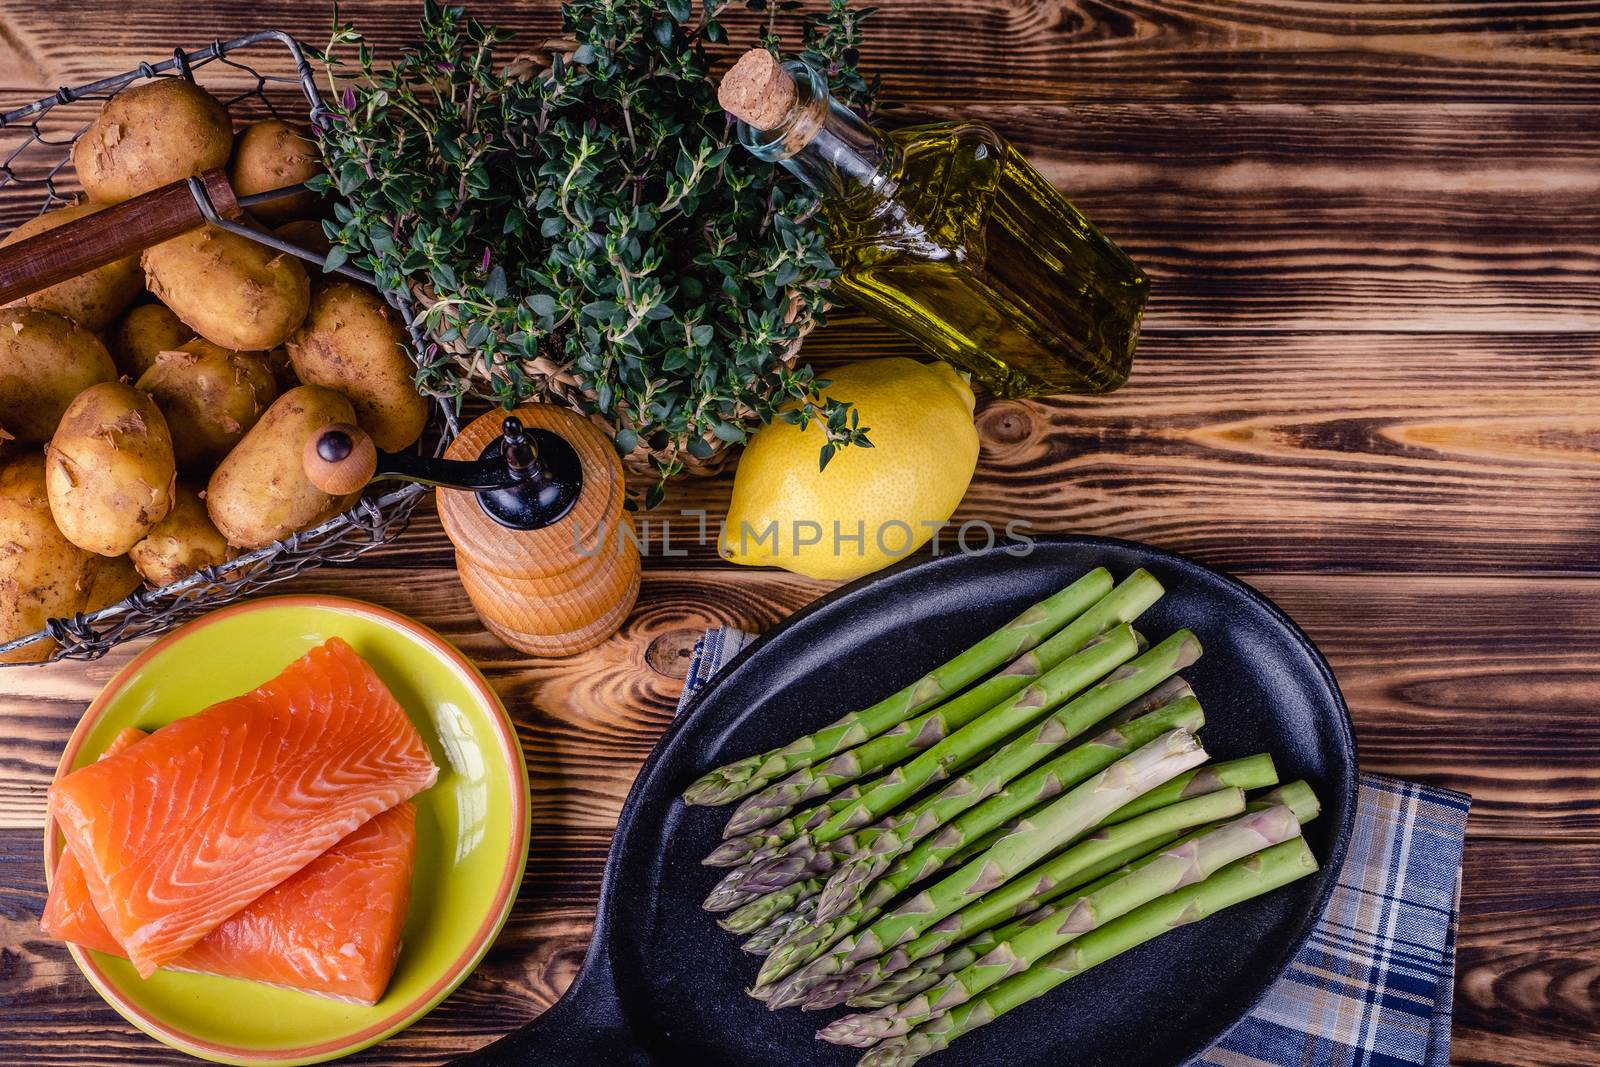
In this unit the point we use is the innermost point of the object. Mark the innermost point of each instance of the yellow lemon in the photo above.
(870, 506)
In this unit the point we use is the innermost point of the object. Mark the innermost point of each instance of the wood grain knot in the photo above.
(668, 653)
(1006, 424)
(1547, 992)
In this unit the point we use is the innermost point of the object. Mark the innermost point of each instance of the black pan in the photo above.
(663, 984)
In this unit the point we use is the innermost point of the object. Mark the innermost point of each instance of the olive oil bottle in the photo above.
(948, 234)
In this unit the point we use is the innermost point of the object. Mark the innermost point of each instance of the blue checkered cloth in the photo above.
(1373, 986)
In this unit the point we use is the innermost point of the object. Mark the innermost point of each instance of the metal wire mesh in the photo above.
(36, 147)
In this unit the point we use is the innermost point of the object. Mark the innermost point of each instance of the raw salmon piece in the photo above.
(69, 913)
(332, 929)
(187, 827)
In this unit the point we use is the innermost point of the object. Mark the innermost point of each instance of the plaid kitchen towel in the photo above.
(1373, 985)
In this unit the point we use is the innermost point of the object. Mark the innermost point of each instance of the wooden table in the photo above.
(1369, 385)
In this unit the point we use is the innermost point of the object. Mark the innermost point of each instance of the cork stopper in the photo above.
(757, 90)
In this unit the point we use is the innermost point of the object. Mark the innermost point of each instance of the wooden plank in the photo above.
(1327, 196)
(1475, 706)
(1485, 685)
(1290, 216)
(1321, 50)
(585, 722)
(53, 1015)
(1526, 966)
(1525, 994)
(1436, 453)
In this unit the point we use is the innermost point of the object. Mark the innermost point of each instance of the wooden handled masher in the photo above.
(128, 228)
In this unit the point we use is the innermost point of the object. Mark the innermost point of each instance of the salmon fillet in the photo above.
(69, 913)
(184, 829)
(332, 929)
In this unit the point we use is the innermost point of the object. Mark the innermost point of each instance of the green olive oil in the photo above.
(948, 234)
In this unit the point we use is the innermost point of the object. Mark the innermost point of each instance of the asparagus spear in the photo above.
(762, 910)
(1122, 684)
(982, 844)
(743, 777)
(1298, 797)
(801, 857)
(729, 898)
(761, 942)
(1074, 813)
(1170, 691)
(769, 840)
(799, 860)
(1251, 772)
(1251, 877)
(1158, 663)
(881, 982)
(1104, 657)
(1121, 606)
(902, 985)
(986, 797)
(1105, 850)
(930, 956)
(770, 867)
(1112, 897)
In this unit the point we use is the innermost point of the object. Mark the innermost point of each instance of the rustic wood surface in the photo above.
(1369, 385)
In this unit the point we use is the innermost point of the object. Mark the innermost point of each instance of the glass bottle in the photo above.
(948, 234)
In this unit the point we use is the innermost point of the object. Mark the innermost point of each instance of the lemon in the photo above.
(870, 506)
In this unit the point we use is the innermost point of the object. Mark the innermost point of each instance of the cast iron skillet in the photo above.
(663, 984)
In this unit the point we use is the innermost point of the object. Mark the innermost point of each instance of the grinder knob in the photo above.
(340, 460)
(524, 479)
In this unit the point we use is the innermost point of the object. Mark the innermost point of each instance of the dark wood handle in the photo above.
(109, 234)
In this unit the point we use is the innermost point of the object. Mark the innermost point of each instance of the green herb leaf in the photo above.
(634, 248)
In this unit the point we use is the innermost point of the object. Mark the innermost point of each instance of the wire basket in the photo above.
(36, 142)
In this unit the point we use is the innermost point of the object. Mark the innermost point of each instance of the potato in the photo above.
(180, 544)
(92, 300)
(210, 398)
(45, 361)
(307, 233)
(260, 493)
(42, 574)
(352, 342)
(230, 290)
(111, 578)
(149, 135)
(282, 369)
(270, 155)
(143, 333)
(109, 469)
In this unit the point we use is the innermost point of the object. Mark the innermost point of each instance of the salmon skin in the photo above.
(184, 829)
(332, 929)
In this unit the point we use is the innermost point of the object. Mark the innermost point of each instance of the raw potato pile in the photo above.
(152, 411)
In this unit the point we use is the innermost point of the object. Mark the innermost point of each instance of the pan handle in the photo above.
(586, 1026)
(112, 233)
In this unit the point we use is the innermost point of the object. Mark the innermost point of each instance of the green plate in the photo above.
(472, 827)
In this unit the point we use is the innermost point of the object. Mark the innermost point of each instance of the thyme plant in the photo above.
(579, 225)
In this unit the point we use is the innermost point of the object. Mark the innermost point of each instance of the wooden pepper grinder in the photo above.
(533, 501)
